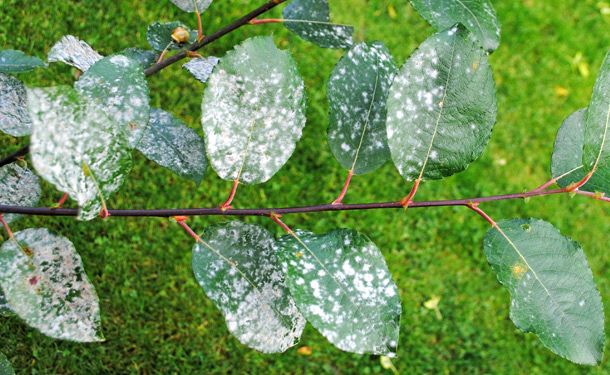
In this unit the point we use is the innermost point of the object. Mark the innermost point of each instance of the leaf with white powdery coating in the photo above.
(441, 107)
(5, 309)
(14, 117)
(552, 290)
(357, 94)
(172, 144)
(479, 16)
(342, 285)
(118, 85)
(596, 150)
(77, 147)
(46, 286)
(240, 273)
(72, 51)
(13, 61)
(310, 20)
(253, 111)
(5, 366)
(189, 5)
(146, 57)
(201, 68)
(159, 35)
(18, 187)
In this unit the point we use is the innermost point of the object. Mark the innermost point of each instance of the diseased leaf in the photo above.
(342, 285)
(12, 61)
(357, 94)
(253, 111)
(46, 285)
(72, 51)
(14, 118)
(201, 68)
(159, 35)
(118, 85)
(146, 57)
(172, 144)
(552, 290)
(567, 155)
(479, 16)
(77, 147)
(310, 20)
(18, 187)
(441, 107)
(189, 5)
(5, 309)
(5, 366)
(596, 150)
(240, 273)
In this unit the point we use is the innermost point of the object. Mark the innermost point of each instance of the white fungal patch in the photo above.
(255, 90)
(48, 287)
(189, 5)
(201, 68)
(18, 187)
(72, 51)
(14, 118)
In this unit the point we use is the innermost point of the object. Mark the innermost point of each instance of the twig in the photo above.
(15, 156)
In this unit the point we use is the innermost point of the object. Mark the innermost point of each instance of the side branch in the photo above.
(11, 158)
(245, 20)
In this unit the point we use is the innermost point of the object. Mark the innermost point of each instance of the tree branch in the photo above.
(11, 158)
(217, 211)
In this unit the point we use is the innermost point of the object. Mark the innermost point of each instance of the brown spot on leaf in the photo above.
(34, 280)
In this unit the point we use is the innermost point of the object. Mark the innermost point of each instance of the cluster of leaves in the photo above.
(433, 117)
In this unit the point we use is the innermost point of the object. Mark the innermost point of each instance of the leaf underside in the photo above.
(14, 118)
(243, 277)
(553, 294)
(253, 111)
(159, 36)
(13, 61)
(18, 187)
(201, 68)
(48, 288)
(357, 94)
(72, 51)
(342, 285)
(441, 107)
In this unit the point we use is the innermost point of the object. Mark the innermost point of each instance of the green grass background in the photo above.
(158, 321)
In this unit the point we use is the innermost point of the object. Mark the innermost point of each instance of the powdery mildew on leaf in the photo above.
(18, 187)
(253, 111)
(357, 94)
(14, 118)
(48, 287)
(159, 35)
(441, 107)
(596, 150)
(172, 144)
(479, 16)
(5, 366)
(567, 155)
(201, 68)
(118, 85)
(13, 61)
(243, 277)
(72, 51)
(146, 57)
(77, 147)
(189, 5)
(551, 284)
(5, 309)
(310, 20)
(342, 285)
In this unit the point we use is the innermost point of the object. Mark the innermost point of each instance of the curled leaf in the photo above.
(72, 51)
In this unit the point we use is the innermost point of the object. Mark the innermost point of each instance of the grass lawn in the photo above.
(157, 320)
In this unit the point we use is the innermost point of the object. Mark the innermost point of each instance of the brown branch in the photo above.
(15, 156)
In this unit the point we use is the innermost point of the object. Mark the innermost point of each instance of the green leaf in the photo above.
(146, 57)
(14, 118)
(310, 20)
(72, 51)
(479, 16)
(357, 95)
(18, 187)
(342, 285)
(5, 366)
(567, 155)
(201, 68)
(596, 150)
(159, 36)
(12, 61)
(237, 268)
(552, 290)
(118, 85)
(253, 111)
(5, 309)
(47, 287)
(77, 147)
(192, 5)
(172, 144)
(441, 107)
